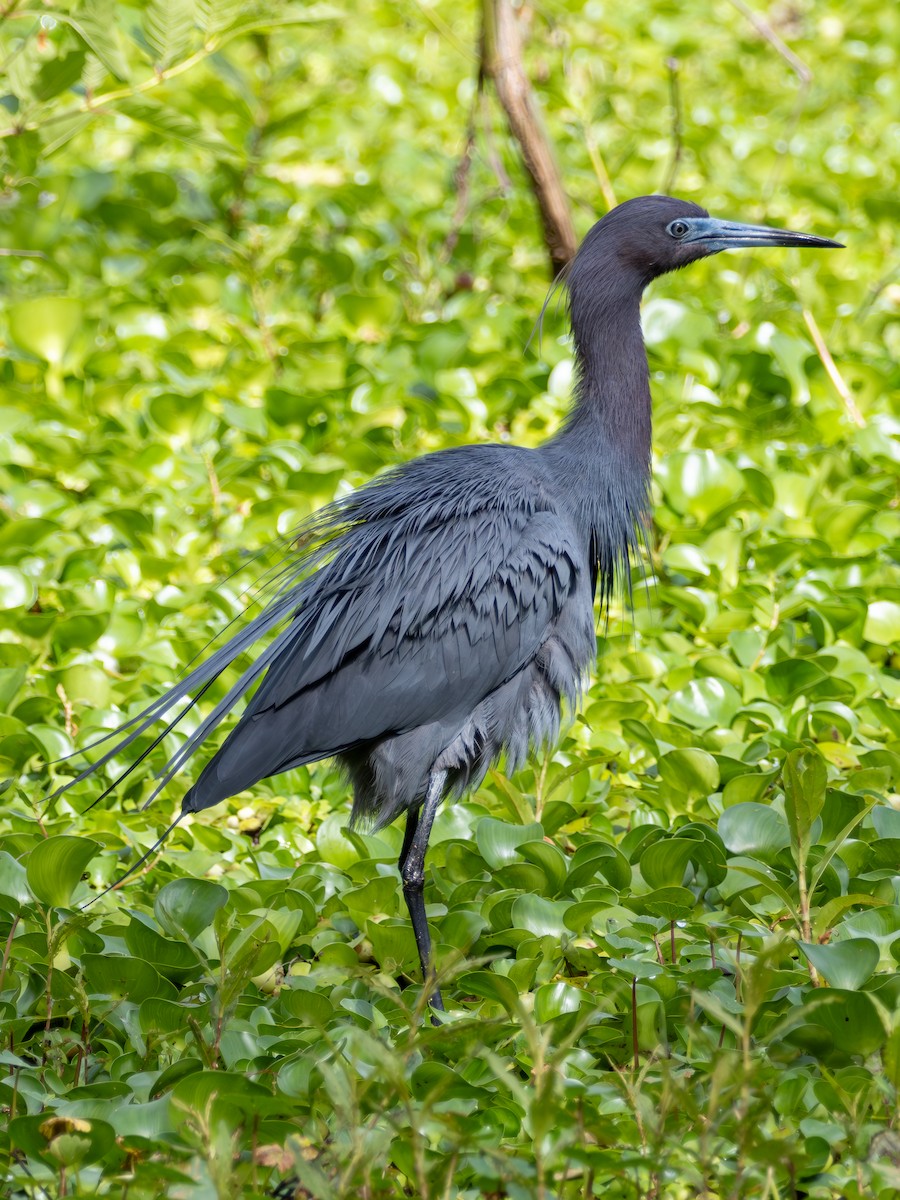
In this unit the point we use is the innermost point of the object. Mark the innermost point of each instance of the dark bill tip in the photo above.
(716, 235)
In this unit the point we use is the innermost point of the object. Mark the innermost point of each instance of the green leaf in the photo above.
(393, 944)
(753, 829)
(852, 1022)
(59, 75)
(62, 1142)
(120, 977)
(555, 999)
(46, 325)
(672, 903)
(540, 916)
(16, 589)
(663, 863)
(689, 772)
(171, 124)
(699, 483)
(847, 964)
(496, 988)
(705, 702)
(881, 925)
(14, 880)
(169, 29)
(498, 842)
(175, 960)
(805, 779)
(550, 859)
(214, 16)
(55, 866)
(768, 881)
(829, 914)
(883, 623)
(185, 907)
(95, 23)
(886, 821)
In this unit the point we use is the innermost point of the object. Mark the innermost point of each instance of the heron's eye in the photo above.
(677, 229)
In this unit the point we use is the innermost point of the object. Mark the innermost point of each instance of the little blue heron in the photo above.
(438, 617)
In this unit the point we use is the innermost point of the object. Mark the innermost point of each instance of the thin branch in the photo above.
(461, 185)
(94, 105)
(446, 31)
(833, 373)
(502, 62)
(765, 31)
(675, 101)
(800, 69)
(606, 187)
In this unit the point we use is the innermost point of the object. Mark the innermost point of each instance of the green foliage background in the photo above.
(242, 271)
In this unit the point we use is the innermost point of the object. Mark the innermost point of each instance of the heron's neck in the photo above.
(603, 451)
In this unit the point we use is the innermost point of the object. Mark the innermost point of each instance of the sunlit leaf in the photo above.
(56, 865)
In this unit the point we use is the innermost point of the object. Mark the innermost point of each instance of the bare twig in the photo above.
(800, 69)
(504, 183)
(833, 373)
(461, 183)
(95, 105)
(765, 31)
(502, 62)
(445, 30)
(606, 187)
(675, 101)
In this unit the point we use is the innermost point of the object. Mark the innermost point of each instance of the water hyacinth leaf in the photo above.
(748, 788)
(550, 859)
(672, 903)
(46, 326)
(310, 1008)
(852, 1021)
(174, 960)
(14, 880)
(55, 866)
(847, 964)
(699, 483)
(637, 968)
(16, 589)
(690, 772)
(705, 702)
(491, 986)
(794, 677)
(882, 925)
(120, 976)
(753, 829)
(393, 943)
(498, 842)
(598, 858)
(200, 1089)
(185, 907)
(886, 821)
(883, 623)
(663, 863)
(540, 916)
(162, 1016)
(555, 999)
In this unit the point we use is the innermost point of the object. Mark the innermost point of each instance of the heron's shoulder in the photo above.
(462, 478)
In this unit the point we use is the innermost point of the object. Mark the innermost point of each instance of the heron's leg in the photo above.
(412, 872)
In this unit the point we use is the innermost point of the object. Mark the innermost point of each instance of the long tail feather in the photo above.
(282, 586)
(135, 867)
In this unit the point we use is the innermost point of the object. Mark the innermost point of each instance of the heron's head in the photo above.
(650, 235)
